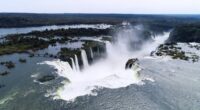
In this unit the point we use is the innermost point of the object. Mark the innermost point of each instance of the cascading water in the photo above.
(91, 52)
(73, 64)
(76, 63)
(98, 51)
(108, 72)
(84, 58)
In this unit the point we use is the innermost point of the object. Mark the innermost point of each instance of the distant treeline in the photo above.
(65, 33)
(185, 33)
(29, 19)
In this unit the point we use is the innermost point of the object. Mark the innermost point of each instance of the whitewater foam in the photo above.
(106, 73)
(95, 76)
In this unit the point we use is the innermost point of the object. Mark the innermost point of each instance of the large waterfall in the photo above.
(76, 63)
(84, 58)
(73, 64)
(108, 72)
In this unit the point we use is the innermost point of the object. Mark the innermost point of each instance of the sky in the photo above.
(102, 6)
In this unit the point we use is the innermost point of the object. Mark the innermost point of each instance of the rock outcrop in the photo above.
(131, 62)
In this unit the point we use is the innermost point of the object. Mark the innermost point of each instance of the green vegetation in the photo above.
(185, 33)
(69, 32)
(13, 49)
(97, 47)
(170, 49)
(107, 39)
(65, 52)
(33, 41)
(18, 44)
(154, 22)
(92, 44)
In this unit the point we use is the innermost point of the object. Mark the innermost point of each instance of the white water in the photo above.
(76, 63)
(84, 58)
(108, 72)
(148, 47)
(73, 64)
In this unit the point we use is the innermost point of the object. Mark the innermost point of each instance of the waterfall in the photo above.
(108, 72)
(84, 58)
(97, 52)
(76, 63)
(73, 64)
(109, 48)
(91, 52)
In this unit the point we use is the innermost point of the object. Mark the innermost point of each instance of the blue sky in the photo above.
(102, 6)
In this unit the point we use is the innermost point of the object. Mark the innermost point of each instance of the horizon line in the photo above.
(102, 13)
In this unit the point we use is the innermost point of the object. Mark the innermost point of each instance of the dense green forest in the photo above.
(153, 21)
(185, 33)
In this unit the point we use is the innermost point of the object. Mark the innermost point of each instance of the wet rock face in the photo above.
(22, 60)
(46, 78)
(2, 85)
(8, 64)
(4, 73)
(131, 62)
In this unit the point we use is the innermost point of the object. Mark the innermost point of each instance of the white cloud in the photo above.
(101, 6)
